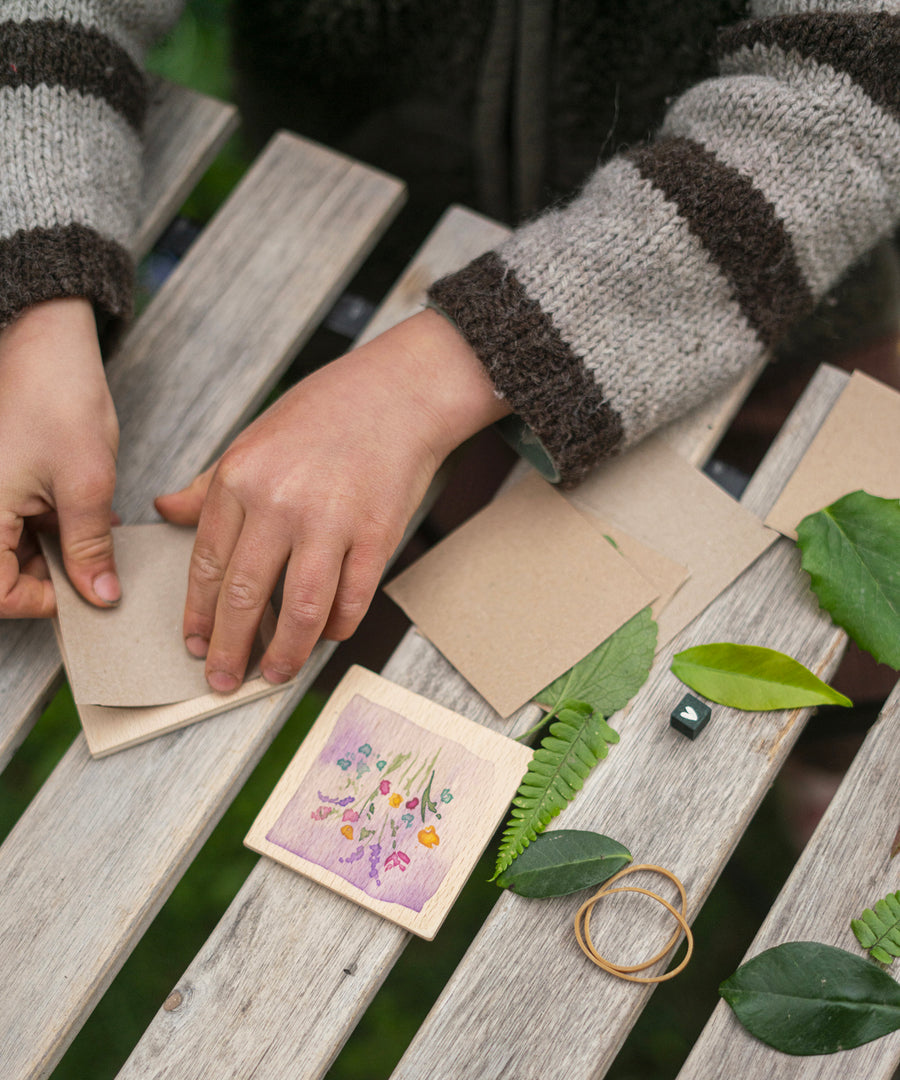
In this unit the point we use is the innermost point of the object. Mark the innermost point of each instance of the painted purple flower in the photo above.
(337, 802)
(374, 859)
(358, 854)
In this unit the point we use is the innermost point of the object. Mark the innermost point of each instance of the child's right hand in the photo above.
(58, 442)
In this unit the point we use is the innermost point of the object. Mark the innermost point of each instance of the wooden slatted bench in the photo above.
(282, 980)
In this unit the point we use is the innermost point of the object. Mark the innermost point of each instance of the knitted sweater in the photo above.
(72, 102)
(678, 264)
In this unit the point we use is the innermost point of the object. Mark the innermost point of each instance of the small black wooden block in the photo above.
(691, 716)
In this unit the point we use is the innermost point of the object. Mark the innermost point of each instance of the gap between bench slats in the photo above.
(183, 132)
(845, 868)
(104, 842)
(281, 982)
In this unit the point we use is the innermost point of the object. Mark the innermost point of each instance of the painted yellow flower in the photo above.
(428, 837)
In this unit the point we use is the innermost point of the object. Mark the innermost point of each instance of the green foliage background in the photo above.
(196, 54)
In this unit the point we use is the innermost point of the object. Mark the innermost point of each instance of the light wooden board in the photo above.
(183, 132)
(678, 803)
(234, 1011)
(390, 801)
(845, 868)
(101, 846)
(229, 1011)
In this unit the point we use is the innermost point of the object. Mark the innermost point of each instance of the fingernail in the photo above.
(273, 676)
(107, 588)
(197, 646)
(222, 681)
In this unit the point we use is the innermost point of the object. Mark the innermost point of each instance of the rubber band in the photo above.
(624, 971)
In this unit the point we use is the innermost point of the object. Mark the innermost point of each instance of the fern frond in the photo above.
(578, 739)
(878, 929)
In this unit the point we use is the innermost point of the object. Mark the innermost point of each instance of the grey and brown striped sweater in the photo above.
(679, 263)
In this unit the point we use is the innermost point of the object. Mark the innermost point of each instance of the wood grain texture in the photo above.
(183, 132)
(229, 1015)
(845, 868)
(671, 801)
(101, 846)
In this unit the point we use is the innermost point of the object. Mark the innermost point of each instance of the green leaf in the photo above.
(878, 929)
(751, 677)
(564, 861)
(808, 998)
(851, 551)
(609, 677)
(577, 741)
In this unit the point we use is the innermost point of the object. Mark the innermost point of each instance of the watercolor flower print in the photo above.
(386, 806)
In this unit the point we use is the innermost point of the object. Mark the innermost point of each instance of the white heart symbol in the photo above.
(688, 713)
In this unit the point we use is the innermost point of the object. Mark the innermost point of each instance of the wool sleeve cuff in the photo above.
(72, 102)
(684, 261)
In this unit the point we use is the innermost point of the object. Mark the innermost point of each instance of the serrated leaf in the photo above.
(578, 739)
(609, 677)
(851, 551)
(807, 998)
(564, 861)
(878, 929)
(751, 677)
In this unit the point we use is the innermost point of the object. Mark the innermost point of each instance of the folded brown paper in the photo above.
(657, 497)
(857, 447)
(130, 674)
(132, 654)
(521, 592)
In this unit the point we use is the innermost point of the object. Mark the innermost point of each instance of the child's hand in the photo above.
(324, 483)
(58, 442)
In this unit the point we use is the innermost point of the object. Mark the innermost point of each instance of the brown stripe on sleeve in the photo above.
(737, 226)
(57, 53)
(65, 260)
(530, 364)
(864, 46)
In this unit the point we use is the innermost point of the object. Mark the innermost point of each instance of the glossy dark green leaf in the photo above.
(851, 551)
(609, 677)
(563, 861)
(807, 998)
(751, 677)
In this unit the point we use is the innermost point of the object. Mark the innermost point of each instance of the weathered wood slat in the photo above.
(680, 804)
(184, 131)
(103, 843)
(288, 949)
(229, 1011)
(845, 868)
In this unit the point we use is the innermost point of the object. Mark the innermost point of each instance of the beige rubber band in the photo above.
(623, 971)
